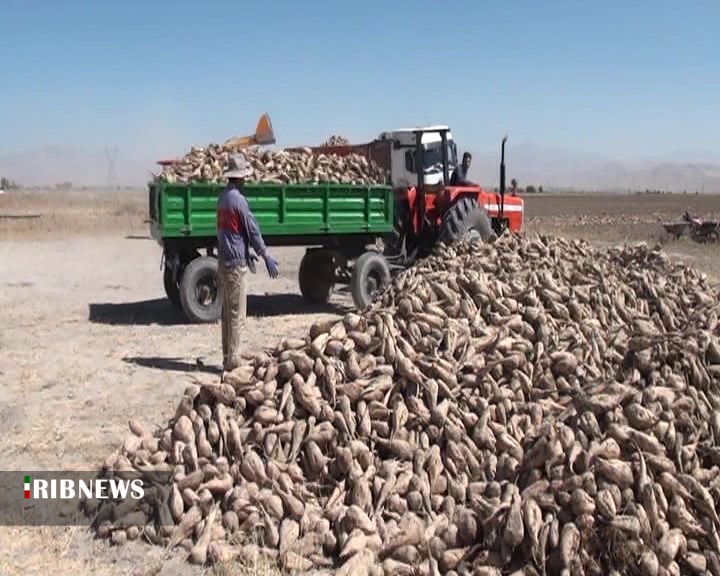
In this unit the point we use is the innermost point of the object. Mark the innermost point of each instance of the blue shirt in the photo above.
(237, 229)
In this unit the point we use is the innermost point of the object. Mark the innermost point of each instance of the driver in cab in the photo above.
(459, 176)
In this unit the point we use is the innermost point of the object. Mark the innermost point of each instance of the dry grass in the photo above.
(72, 550)
(53, 214)
(258, 566)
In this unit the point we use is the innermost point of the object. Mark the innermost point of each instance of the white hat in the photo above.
(239, 167)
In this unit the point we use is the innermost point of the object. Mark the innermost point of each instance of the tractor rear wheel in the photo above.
(172, 279)
(465, 219)
(316, 276)
(370, 274)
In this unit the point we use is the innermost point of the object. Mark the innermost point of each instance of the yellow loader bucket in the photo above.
(263, 136)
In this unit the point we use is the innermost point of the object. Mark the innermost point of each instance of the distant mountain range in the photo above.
(566, 169)
(529, 164)
(54, 164)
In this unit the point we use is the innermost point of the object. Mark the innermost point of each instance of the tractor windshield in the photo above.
(433, 155)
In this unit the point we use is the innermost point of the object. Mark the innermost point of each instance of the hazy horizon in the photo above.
(531, 165)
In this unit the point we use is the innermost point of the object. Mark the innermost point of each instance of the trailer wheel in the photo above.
(370, 275)
(465, 219)
(172, 286)
(200, 293)
(316, 276)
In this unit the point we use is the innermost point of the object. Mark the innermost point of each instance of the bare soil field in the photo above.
(89, 341)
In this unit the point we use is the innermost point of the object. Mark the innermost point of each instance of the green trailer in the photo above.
(339, 224)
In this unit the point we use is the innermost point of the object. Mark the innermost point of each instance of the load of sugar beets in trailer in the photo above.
(283, 166)
(530, 406)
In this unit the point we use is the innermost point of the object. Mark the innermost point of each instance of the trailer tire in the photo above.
(199, 283)
(172, 286)
(466, 220)
(370, 275)
(316, 276)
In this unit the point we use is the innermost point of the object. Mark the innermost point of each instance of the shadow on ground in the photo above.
(20, 216)
(146, 312)
(265, 306)
(172, 364)
(161, 311)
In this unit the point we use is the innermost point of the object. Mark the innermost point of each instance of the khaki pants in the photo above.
(233, 282)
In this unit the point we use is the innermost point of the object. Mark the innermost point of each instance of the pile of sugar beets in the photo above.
(532, 406)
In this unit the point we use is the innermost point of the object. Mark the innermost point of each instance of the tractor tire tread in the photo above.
(463, 217)
(366, 264)
(193, 272)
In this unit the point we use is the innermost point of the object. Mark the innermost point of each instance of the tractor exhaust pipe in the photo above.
(502, 179)
(420, 169)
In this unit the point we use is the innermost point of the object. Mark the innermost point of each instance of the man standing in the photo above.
(459, 177)
(237, 229)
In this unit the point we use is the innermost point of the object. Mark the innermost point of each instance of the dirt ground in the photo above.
(88, 340)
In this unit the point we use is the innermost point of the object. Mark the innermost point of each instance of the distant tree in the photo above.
(530, 189)
(7, 184)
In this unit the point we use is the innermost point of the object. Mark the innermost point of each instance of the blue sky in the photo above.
(620, 78)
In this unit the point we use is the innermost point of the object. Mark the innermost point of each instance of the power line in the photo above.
(111, 155)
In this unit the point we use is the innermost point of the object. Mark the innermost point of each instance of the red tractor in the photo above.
(419, 163)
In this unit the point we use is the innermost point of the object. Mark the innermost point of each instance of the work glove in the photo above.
(271, 265)
(251, 263)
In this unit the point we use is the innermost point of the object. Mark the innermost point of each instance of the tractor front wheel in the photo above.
(200, 293)
(370, 275)
(466, 220)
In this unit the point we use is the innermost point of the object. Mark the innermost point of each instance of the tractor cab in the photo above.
(405, 166)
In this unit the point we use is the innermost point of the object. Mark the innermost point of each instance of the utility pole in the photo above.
(111, 155)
